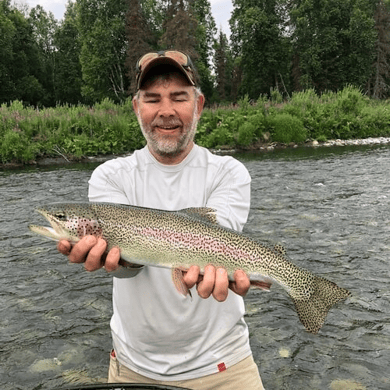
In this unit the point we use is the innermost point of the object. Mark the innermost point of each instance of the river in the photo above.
(329, 207)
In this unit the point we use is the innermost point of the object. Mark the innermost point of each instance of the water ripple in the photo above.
(329, 208)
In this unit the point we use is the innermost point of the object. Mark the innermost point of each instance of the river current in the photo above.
(329, 207)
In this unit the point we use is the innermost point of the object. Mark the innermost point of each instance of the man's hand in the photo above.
(91, 251)
(215, 282)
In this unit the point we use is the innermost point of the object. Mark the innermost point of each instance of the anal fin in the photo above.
(261, 284)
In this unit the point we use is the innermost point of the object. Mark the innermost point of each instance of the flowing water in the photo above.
(328, 207)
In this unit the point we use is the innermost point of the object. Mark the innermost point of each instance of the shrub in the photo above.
(286, 128)
(16, 147)
(246, 134)
(350, 100)
(258, 120)
(221, 136)
(276, 96)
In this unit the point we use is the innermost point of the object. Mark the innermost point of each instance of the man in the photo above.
(158, 335)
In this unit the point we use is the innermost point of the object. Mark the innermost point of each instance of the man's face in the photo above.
(168, 112)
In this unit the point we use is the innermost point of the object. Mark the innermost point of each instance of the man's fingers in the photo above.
(220, 291)
(241, 283)
(206, 286)
(192, 276)
(112, 259)
(81, 249)
(94, 257)
(215, 282)
(64, 247)
(91, 251)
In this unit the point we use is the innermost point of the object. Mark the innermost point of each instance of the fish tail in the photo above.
(313, 310)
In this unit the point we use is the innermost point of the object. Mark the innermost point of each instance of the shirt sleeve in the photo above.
(231, 195)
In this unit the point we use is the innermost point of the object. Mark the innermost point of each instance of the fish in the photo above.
(192, 236)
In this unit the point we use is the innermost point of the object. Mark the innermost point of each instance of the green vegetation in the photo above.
(275, 47)
(347, 114)
(68, 131)
(77, 131)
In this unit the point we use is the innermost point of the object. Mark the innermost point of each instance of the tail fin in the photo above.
(313, 310)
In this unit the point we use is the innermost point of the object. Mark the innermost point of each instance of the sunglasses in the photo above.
(179, 57)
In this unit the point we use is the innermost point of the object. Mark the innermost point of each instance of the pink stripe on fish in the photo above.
(196, 241)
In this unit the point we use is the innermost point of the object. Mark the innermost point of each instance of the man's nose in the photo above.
(166, 108)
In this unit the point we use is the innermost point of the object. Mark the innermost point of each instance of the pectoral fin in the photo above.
(178, 281)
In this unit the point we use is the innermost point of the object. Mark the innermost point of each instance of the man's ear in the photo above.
(200, 100)
(135, 105)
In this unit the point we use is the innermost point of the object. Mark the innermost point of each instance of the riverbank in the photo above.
(70, 133)
(264, 147)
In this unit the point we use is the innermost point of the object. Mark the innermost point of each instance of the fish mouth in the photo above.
(55, 231)
(51, 219)
(45, 231)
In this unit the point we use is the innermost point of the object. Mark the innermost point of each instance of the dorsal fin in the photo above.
(204, 214)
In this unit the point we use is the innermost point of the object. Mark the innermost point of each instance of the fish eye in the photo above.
(60, 216)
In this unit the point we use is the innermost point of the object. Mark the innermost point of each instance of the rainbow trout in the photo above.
(179, 239)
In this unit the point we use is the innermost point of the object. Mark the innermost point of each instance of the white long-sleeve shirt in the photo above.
(156, 331)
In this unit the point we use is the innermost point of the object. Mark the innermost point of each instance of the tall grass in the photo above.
(107, 128)
(70, 131)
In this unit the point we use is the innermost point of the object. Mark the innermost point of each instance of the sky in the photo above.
(221, 10)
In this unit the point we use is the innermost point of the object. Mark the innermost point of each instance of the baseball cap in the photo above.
(175, 58)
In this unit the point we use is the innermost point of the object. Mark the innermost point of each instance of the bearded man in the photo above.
(159, 336)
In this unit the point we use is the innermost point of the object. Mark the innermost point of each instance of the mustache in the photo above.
(167, 123)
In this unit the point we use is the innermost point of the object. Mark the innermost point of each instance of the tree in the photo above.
(68, 77)
(260, 45)
(20, 68)
(378, 84)
(224, 69)
(155, 12)
(44, 26)
(220, 66)
(139, 39)
(205, 42)
(7, 33)
(101, 24)
(180, 29)
(333, 42)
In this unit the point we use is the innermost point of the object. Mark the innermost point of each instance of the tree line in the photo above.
(276, 46)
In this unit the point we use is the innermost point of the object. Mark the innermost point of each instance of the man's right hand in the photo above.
(91, 251)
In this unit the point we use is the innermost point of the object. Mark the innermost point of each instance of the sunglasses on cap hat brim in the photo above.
(175, 58)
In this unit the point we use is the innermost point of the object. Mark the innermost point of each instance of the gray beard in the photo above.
(169, 145)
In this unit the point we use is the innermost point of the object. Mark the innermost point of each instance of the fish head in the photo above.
(69, 221)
